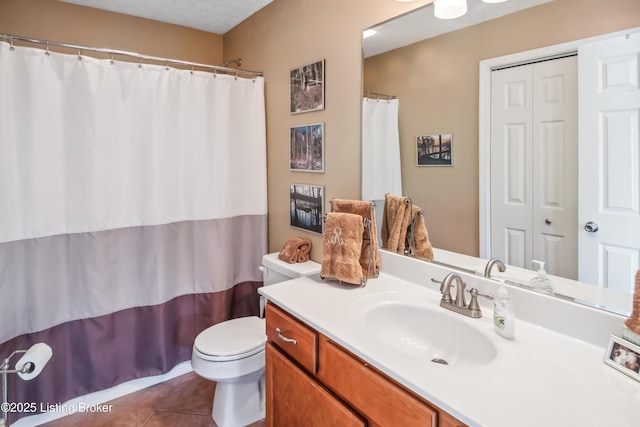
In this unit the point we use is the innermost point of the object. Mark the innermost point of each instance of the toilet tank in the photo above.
(274, 270)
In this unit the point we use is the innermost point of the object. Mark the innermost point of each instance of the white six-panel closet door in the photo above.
(609, 123)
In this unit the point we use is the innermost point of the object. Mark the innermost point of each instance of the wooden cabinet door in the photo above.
(295, 399)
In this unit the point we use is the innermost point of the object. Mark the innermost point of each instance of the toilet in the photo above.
(231, 353)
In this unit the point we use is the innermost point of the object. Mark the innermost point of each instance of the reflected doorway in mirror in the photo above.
(434, 150)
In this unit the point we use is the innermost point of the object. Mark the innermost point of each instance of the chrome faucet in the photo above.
(494, 261)
(459, 305)
(445, 290)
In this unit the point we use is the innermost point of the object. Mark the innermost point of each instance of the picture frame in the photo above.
(623, 356)
(306, 207)
(307, 88)
(434, 150)
(306, 148)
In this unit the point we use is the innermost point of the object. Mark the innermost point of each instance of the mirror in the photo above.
(436, 82)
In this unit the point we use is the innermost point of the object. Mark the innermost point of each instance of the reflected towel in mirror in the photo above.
(422, 247)
(633, 322)
(396, 218)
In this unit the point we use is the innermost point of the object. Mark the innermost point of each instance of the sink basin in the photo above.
(426, 334)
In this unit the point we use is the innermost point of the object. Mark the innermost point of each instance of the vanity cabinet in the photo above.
(312, 381)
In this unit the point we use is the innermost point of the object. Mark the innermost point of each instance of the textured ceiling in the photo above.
(219, 16)
(420, 24)
(214, 16)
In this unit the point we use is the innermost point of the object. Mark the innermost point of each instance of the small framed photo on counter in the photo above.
(624, 356)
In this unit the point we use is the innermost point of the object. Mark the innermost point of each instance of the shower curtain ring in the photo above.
(46, 52)
(166, 65)
(11, 48)
(111, 59)
(79, 54)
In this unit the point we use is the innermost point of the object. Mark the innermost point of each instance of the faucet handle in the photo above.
(445, 290)
(474, 291)
(474, 307)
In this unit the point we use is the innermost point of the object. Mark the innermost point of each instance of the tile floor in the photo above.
(183, 401)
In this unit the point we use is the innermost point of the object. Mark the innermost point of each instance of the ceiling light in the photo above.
(369, 32)
(449, 9)
(494, 1)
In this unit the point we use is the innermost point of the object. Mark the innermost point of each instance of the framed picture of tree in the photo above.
(434, 150)
(307, 88)
(306, 207)
(306, 148)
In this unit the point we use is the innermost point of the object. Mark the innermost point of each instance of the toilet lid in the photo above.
(236, 337)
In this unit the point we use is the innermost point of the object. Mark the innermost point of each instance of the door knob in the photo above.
(547, 221)
(591, 227)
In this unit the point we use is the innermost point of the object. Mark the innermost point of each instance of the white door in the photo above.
(511, 189)
(555, 166)
(610, 162)
(533, 165)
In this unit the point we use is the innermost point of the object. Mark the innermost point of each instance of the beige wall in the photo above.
(69, 23)
(436, 82)
(291, 33)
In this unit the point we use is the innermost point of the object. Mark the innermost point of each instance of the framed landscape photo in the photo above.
(306, 148)
(434, 150)
(306, 207)
(624, 356)
(307, 88)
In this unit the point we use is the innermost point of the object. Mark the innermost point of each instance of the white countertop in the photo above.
(541, 378)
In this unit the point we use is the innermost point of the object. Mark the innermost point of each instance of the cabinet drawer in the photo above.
(296, 399)
(383, 402)
(294, 338)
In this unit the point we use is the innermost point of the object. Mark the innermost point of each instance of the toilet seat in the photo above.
(232, 340)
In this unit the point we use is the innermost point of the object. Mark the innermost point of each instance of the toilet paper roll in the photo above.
(35, 360)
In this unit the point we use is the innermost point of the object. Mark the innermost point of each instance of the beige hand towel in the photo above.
(369, 242)
(396, 219)
(341, 247)
(295, 250)
(422, 247)
(633, 322)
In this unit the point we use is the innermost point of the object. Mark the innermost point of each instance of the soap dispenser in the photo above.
(503, 318)
(541, 282)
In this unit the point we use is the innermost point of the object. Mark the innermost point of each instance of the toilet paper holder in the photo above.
(26, 368)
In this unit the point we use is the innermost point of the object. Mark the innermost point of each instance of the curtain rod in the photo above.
(10, 38)
(373, 95)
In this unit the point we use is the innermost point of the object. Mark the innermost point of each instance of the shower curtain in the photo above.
(381, 171)
(133, 214)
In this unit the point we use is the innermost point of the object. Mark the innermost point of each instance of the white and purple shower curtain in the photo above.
(133, 214)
